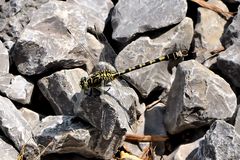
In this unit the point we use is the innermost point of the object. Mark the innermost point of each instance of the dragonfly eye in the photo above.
(83, 79)
(84, 83)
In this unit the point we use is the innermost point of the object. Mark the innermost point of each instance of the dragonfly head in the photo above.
(84, 83)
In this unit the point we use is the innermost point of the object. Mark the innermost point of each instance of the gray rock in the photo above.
(197, 97)
(138, 147)
(16, 88)
(154, 125)
(132, 17)
(62, 90)
(14, 16)
(237, 122)
(229, 63)
(149, 123)
(68, 134)
(16, 128)
(7, 151)
(232, 33)
(57, 37)
(144, 49)
(221, 143)
(184, 151)
(208, 31)
(30, 116)
(4, 59)
(111, 109)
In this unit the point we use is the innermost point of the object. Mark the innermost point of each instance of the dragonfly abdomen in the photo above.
(103, 77)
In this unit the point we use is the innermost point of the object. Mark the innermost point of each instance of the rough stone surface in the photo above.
(15, 127)
(184, 151)
(68, 134)
(208, 31)
(232, 33)
(16, 88)
(139, 130)
(62, 90)
(229, 63)
(4, 59)
(14, 16)
(197, 97)
(30, 116)
(221, 142)
(131, 17)
(7, 151)
(154, 125)
(144, 49)
(57, 37)
(111, 109)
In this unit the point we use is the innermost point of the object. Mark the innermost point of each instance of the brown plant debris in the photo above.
(145, 138)
(214, 8)
(123, 153)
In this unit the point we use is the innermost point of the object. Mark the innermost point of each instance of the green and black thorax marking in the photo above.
(106, 76)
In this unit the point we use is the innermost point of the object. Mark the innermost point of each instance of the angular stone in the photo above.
(111, 109)
(7, 151)
(68, 134)
(16, 88)
(4, 59)
(208, 31)
(197, 97)
(16, 128)
(14, 16)
(232, 33)
(62, 90)
(154, 125)
(156, 76)
(132, 17)
(221, 142)
(58, 37)
(184, 151)
(229, 63)
(30, 116)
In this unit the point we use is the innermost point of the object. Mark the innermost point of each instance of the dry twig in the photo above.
(214, 8)
(145, 138)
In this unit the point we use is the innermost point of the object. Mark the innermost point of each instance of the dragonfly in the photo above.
(105, 76)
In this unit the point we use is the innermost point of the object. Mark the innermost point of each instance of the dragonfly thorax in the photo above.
(97, 79)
